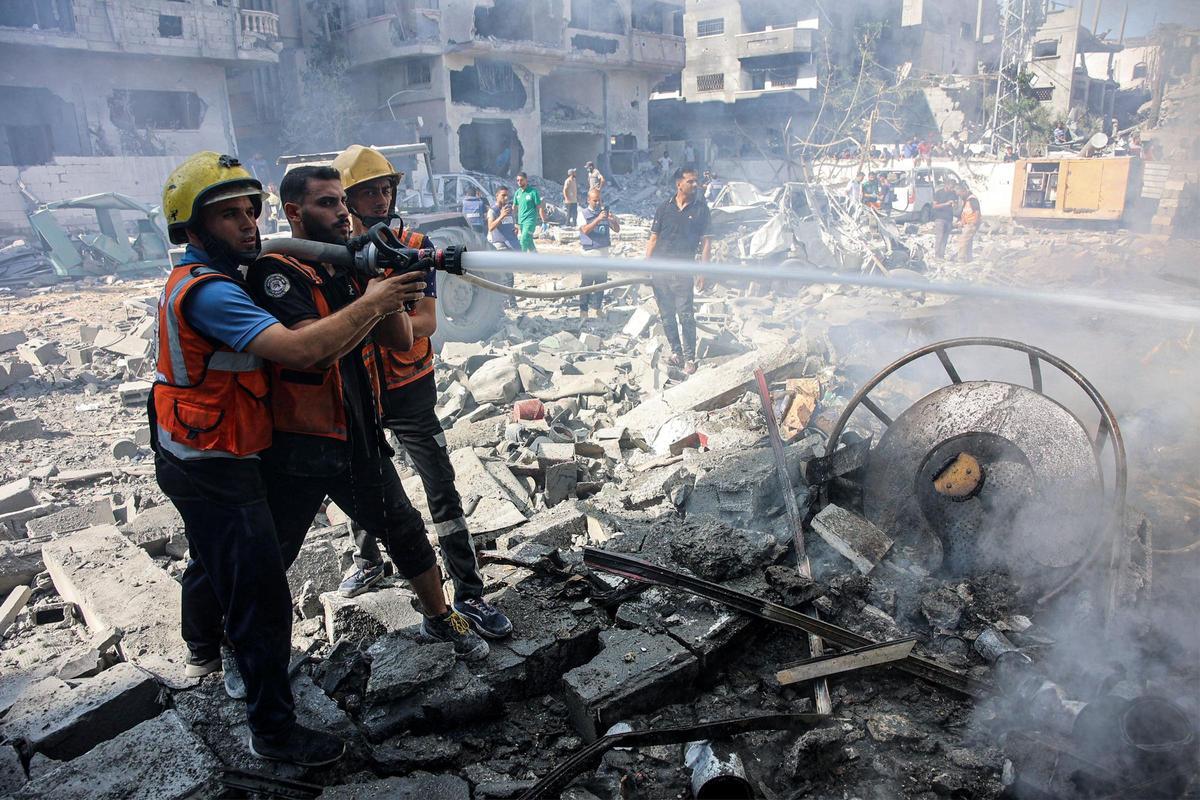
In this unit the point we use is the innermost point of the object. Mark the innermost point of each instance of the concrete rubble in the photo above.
(562, 436)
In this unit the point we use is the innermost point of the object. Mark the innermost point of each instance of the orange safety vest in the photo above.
(207, 397)
(312, 401)
(401, 367)
(969, 216)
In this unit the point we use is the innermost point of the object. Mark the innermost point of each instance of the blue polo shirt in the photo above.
(222, 310)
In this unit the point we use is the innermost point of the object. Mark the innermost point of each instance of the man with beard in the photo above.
(209, 422)
(409, 397)
(328, 434)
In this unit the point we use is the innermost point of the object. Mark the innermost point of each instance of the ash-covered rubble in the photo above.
(562, 438)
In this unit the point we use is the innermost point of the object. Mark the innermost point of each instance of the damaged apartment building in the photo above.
(111, 92)
(509, 85)
(753, 66)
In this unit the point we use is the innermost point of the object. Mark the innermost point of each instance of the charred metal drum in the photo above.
(993, 474)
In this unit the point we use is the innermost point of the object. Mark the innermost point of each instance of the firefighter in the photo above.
(329, 439)
(210, 420)
(409, 397)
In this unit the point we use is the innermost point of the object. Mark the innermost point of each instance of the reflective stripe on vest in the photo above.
(401, 367)
(208, 399)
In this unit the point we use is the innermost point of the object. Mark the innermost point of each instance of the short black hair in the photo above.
(501, 188)
(294, 186)
(684, 170)
(522, 175)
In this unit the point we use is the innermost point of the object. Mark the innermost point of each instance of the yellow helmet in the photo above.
(205, 178)
(358, 164)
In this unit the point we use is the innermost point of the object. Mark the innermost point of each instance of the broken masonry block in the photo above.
(40, 353)
(561, 480)
(638, 322)
(80, 356)
(153, 527)
(20, 562)
(551, 453)
(17, 430)
(11, 339)
(74, 518)
(16, 495)
(369, 615)
(134, 393)
(118, 585)
(634, 673)
(841, 462)
(132, 766)
(459, 699)
(855, 537)
(63, 722)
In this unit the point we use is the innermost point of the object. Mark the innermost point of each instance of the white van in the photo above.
(914, 190)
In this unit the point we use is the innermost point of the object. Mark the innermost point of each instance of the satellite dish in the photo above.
(1099, 141)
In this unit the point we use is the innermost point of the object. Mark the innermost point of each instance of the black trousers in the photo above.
(572, 214)
(235, 586)
(371, 495)
(409, 413)
(676, 299)
(594, 299)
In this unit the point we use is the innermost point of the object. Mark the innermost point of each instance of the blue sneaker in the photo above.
(361, 580)
(235, 686)
(484, 617)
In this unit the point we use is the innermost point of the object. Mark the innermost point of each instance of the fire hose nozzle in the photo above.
(379, 249)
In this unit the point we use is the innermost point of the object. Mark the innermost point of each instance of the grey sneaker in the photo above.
(453, 627)
(361, 580)
(235, 687)
(197, 666)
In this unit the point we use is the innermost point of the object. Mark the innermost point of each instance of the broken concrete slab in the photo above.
(400, 665)
(634, 673)
(12, 774)
(118, 585)
(742, 488)
(561, 480)
(131, 766)
(495, 510)
(369, 615)
(716, 551)
(75, 518)
(713, 386)
(18, 430)
(575, 386)
(63, 722)
(417, 786)
(319, 563)
(458, 699)
(10, 339)
(17, 495)
(672, 483)
(556, 527)
(13, 605)
(854, 536)
(638, 322)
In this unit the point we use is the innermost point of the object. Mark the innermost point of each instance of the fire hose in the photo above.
(378, 249)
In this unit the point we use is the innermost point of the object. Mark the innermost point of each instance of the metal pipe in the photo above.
(717, 772)
(788, 272)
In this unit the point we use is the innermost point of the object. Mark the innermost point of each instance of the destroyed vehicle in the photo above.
(466, 313)
(131, 240)
(914, 189)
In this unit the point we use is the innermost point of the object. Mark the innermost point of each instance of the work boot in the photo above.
(199, 665)
(362, 579)
(453, 627)
(235, 685)
(302, 746)
(485, 618)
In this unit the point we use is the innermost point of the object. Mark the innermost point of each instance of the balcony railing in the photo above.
(262, 23)
(773, 43)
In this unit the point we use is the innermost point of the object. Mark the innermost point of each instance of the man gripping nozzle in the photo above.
(329, 438)
(210, 421)
(409, 393)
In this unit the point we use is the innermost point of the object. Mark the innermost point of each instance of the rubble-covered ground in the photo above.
(565, 435)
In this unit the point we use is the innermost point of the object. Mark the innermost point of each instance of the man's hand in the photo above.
(388, 295)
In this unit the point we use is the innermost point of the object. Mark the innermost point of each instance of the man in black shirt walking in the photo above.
(680, 229)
